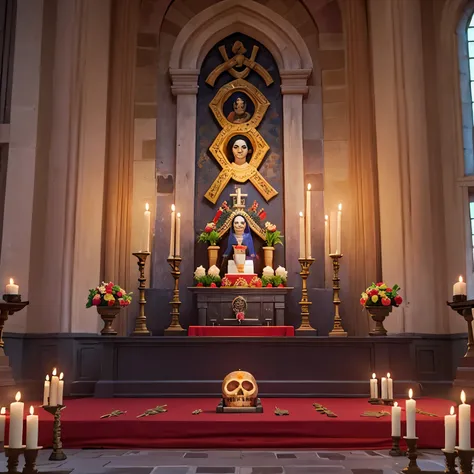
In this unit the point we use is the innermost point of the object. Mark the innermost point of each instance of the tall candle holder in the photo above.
(10, 304)
(31, 454)
(140, 322)
(175, 329)
(58, 453)
(464, 308)
(305, 327)
(396, 451)
(412, 454)
(465, 460)
(337, 329)
(450, 461)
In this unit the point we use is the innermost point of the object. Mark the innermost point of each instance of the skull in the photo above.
(239, 389)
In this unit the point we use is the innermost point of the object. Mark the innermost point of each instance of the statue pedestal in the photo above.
(265, 306)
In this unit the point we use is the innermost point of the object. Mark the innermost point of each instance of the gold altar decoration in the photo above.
(140, 321)
(337, 329)
(281, 412)
(113, 414)
(247, 171)
(324, 411)
(305, 304)
(175, 328)
(57, 454)
(154, 411)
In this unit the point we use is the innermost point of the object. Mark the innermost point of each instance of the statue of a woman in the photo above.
(241, 148)
(240, 235)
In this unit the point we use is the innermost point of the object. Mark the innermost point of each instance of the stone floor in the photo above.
(231, 462)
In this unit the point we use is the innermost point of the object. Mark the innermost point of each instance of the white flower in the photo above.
(268, 272)
(199, 272)
(281, 272)
(102, 290)
(213, 271)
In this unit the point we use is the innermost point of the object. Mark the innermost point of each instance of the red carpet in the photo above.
(241, 331)
(178, 428)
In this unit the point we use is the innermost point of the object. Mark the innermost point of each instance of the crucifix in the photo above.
(238, 202)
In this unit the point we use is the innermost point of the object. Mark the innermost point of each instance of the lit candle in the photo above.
(15, 437)
(31, 430)
(327, 234)
(396, 414)
(389, 387)
(46, 391)
(173, 230)
(374, 387)
(410, 408)
(60, 389)
(11, 289)
(178, 233)
(146, 245)
(384, 389)
(459, 288)
(338, 230)
(302, 238)
(450, 431)
(308, 222)
(464, 423)
(2, 424)
(53, 391)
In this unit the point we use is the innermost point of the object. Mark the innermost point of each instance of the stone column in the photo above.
(363, 244)
(184, 87)
(293, 88)
(119, 165)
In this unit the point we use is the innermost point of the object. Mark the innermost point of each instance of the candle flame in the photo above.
(61, 376)
(410, 393)
(47, 378)
(388, 375)
(326, 217)
(173, 207)
(395, 404)
(374, 376)
(18, 396)
(460, 279)
(339, 207)
(54, 371)
(463, 397)
(179, 215)
(301, 214)
(11, 281)
(147, 207)
(3, 411)
(451, 411)
(32, 410)
(309, 186)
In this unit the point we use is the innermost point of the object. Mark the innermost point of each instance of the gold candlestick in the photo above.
(175, 329)
(412, 454)
(140, 323)
(31, 455)
(337, 329)
(450, 461)
(465, 460)
(396, 451)
(305, 303)
(58, 453)
(13, 455)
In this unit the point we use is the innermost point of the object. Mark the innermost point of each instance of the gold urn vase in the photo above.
(108, 315)
(378, 314)
(212, 254)
(268, 256)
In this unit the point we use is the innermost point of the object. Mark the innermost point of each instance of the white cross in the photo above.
(238, 198)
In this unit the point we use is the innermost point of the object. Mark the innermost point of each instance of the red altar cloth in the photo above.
(241, 331)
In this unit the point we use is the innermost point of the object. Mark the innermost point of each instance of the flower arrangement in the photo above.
(108, 294)
(211, 279)
(272, 235)
(379, 294)
(275, 279)
(210, 234)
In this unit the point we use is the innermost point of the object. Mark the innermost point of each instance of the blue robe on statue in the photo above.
(247, 241)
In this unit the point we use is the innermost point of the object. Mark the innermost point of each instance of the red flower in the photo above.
(110, 303)
(388, 290)
(380, 283)
(398, 300)
(362, 301)
(373, 292)
(281, 285)
(199, 284)
(386, 301)
(210, 226)
(262, 215)
(258, 283)
(96, 300)
(269, 285)
(119, 294)
(240, 316)
(123, 302)
(213, 285)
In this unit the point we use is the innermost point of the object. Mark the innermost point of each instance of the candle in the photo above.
(31, 430)
(389, 387)
(60, 389)
(396, 414)
(146, 245)
(338, 230)
(384, 389)
(53, 391)
(178, 233)
(11, 289)
(46, 391)
(410, 408)
(15, 437)
(173, 230)
(450, 431)
(308, 222)
(302, 237)
(374, 388)
(2, 424)
(459, 288)
(464, 423)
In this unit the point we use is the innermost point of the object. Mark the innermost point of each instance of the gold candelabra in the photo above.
(337, 329)
(140, 323)
(175, 328)
(305, 303)
(58, 453)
